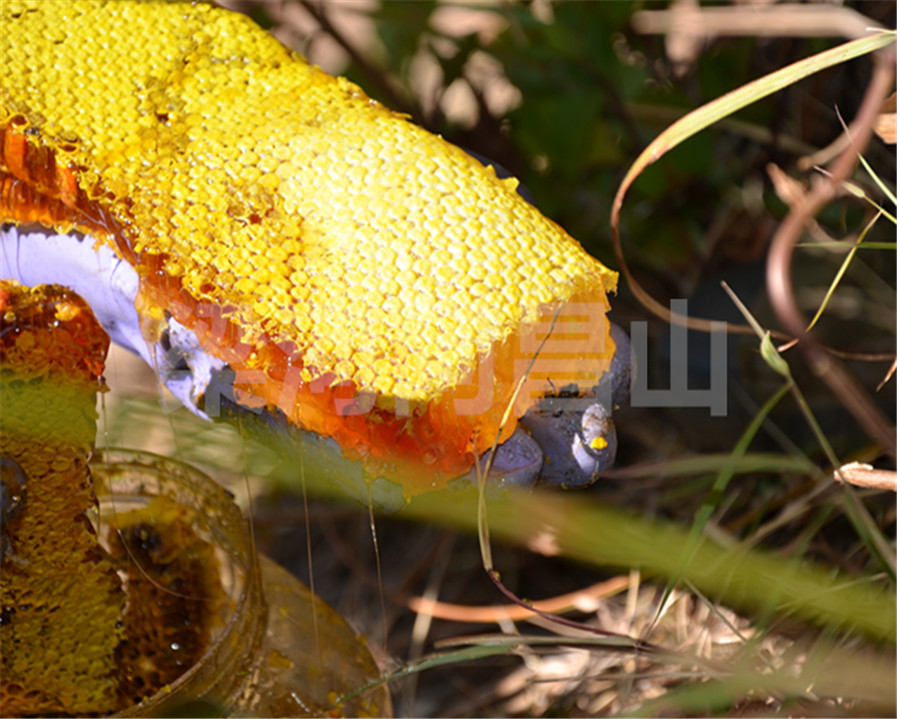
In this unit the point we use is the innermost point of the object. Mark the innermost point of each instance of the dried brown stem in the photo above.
(374, 76)
(778, 269)
(864, 475)
(515, 612)
(785, 20)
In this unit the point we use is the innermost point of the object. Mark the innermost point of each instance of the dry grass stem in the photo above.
(782, 20)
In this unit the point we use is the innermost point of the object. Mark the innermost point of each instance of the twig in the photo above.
(786, 20)
(374, 76)
(778, 269)
(865, 475)
(515, 612)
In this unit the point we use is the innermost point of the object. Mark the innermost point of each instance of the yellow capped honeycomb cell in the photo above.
(327, 232)
(60, 597)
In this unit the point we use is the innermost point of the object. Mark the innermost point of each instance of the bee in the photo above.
(12, 499)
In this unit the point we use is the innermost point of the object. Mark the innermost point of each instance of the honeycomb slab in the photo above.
(361, 275)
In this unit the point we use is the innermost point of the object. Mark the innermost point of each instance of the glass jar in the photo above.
(277, 651)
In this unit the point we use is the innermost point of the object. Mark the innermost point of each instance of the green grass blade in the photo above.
(584, 530)
(711, 501)
(841, 271)
(705, 463)
(743, 96)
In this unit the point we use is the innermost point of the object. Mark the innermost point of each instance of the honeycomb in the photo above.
(60, 597)
(175, 597)
(361, 275)
(76, 639)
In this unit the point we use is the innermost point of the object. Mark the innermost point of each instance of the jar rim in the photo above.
(223, 672)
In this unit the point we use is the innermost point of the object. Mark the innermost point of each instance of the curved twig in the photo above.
(515, 612)
(778, 269)
(709, 114)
